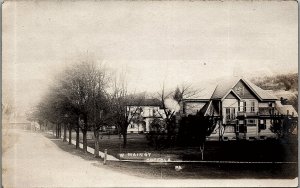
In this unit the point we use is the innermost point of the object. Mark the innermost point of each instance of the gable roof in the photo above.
(262, 94)
(225, 86)
(231, 91)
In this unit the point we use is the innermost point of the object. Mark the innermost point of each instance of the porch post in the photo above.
(257, 124)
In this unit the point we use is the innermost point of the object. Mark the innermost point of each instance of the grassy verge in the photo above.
(190, 170)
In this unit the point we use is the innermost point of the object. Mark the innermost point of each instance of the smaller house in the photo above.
(142, 112)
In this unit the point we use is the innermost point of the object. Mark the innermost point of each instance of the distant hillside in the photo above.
(285, 86)
(287, 82)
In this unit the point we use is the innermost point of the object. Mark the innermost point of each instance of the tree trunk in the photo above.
(65, 133)
(84, 132)
(169, 132)
(56, 129)
(124, 139)
(84, 141)
(60, 127)
(59, 130)
(119, 132)
(77, 136)
(70, 134)
(96, 152)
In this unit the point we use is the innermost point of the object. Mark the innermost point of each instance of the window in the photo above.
(237, 128)
(262, 124)
(262, 127)
(241, 106)
(243, 129)
(150, 112)
(251, 122)
(230, 113)
(245, 106)
(252, 106)
(227, 113)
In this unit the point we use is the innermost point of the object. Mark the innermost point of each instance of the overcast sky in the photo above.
(156, 42)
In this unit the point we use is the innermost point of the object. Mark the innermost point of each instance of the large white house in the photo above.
(244, 108)
(145, 111)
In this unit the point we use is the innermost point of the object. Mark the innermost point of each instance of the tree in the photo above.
(283, 125)
(99, 107)
(124, 106)
(50, 109)
(77, 96)
(170, 102)
(156, 135)
(82, 84)
(195, 128)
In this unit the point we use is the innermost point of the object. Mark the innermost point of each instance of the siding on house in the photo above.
(230, 96)
(243, 91)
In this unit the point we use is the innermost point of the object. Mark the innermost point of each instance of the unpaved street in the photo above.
(32, 160)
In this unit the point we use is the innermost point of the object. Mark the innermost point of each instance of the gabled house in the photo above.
(244, 109)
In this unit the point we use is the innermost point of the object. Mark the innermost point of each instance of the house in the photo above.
(142, 112)
(244, 109)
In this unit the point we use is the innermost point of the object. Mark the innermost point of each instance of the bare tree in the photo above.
(76, 83)
(50, 109)
(170, 102)
(99, 106)
(124, 106)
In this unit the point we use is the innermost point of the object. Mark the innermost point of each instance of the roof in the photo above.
(284, 109)
(204, 109)
(202, 94)
(144, 102)
(263, 94)
(233, 92)
(209, 109)
(224, 86)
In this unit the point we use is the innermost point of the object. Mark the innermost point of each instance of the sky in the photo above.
(155, 42)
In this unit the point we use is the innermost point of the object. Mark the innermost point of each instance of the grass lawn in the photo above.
(263, 150)
(190, 170)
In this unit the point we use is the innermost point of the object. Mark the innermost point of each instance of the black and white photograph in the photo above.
(149, 93)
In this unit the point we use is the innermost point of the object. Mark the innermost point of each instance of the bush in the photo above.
(157, 136)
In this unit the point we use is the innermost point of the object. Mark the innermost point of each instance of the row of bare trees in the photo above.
(84, 96)
(89, 96)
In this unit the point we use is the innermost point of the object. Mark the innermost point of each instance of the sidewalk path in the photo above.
(35, 161)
